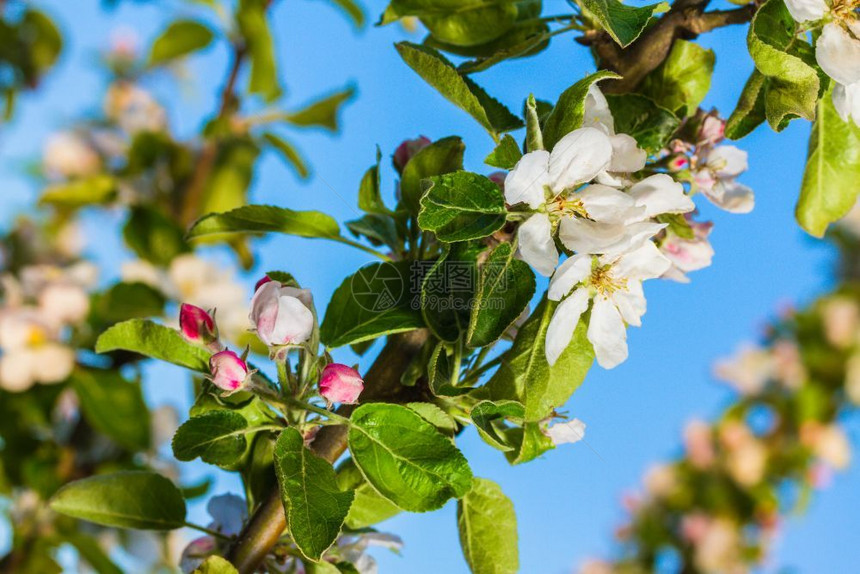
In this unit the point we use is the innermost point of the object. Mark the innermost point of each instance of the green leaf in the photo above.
(831, 181)
(373, 302)
(315, 505)
(488, 529)
(530, 442)
(462, 206)
(506, 155)
(787, 61)
(523, 40)
(179, 39)
(368, 506)
(289, 152)
(128, 301)
(369, 194)
(134, 499)
(93, 190)
(461, 91)
(323, 112)
(440, 157)
(651, 125)
(443, 422)
(567, 114)
(463, 23)
(215, 565)
(440, 375)
(448, 290)
(525, 375)
(405, 458)
(267, 218)
(113, 406)
(506, 286)
(378, 229)
(487, 414)
(217, 437)
(154, 341)
(153, 236)
(534, 132)
(623, 22)
(750, 111)
(254, 27)
(682, 81)
(352, 10)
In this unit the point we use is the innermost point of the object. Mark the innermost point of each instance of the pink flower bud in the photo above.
(262, 282)
(498, 177)
(282, 315)
(197, 325)
(407, 150)
(712, 131)
(229, 371)
(678, 163)
(341, 384)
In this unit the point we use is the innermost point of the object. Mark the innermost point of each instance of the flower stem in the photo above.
(209, 531)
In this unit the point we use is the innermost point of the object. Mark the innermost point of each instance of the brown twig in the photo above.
(382, 383)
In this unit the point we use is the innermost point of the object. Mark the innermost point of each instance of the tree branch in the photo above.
(687, 19)
(382, 383)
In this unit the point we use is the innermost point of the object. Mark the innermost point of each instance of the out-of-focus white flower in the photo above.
(699, 444)
(748, 371)
(64, 303)
(354, 547)
(830, 444)
(566, 433)
(68, 155)
(719, 550)
(29, 353)
(594, 566)
(660, 481)
(615, 285)
(852, 379)
(133, 108)
(841, 319)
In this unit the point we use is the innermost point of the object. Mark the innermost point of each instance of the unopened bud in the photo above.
(407, 150)
(340, 384)
(197, 325)
(229, 371)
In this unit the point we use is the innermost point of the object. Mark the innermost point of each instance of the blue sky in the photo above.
(567, 502)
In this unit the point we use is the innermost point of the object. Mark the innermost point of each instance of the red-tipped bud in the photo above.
(407, 150)
(341, 384)
(229, 371)
(197, 325)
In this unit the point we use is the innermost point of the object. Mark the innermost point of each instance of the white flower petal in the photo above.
(643, 263)
(596, 111)
(563, 324)
(574, 270)
(727, 161)
(661, 194)
(566, 433)
(631, 303)
(806, 10)
(584, 236)
(537, 247)
(526, 182)
(732, 196)
(578, 157)
(846, 100)
(607, 333)
(609, 205)
(838, 54)
(627, 156)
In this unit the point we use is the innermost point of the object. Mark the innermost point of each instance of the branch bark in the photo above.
(687, 19)
(382, 383)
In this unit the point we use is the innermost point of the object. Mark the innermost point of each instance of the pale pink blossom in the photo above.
(229, 371)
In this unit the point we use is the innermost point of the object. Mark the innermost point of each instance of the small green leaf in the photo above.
(568, 113)
(682, 81)
(448, 290)
(378, 229)
(651, 125)
(215, 565)
(462, 206)
(488, 529)
(787, 61)
(525, 375)
(154, 341)
(217, 437)
(179, 39)
(153, 236)
(440, 375)
(267, 218)
(443, 422)
(368, 506)
(323, 112)
(623, 22)
(289, 152)
(134, 499)
(830, 183)
(461, 91)
(440, 157)
(94, 190)
(254, 27)
(352, 10)
(506, 155)
(534, 131)
(113, 406)
(506, 286)
(315, 505)
(369, 193)
(128, 301)
(405, 458)
(373, 302)
(486, 414)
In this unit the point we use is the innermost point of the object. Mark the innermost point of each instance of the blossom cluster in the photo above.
(837, 49)
(619, 221)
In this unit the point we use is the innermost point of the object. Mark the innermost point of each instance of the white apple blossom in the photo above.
(566, 433)
(806, 10)
(68, 155)
(715, 173)
(282, 315)
(30, 352)
(687, 254)
(615, 286)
